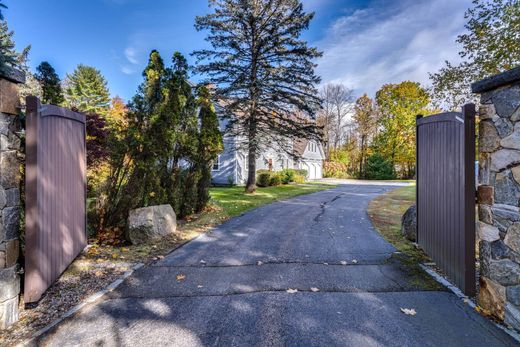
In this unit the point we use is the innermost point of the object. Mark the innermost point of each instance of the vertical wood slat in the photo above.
(446, 193)
(55, 229)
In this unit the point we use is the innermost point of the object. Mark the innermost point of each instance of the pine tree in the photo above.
(210, 145)
(2, 6)
(8, 56)
(263, 70)
(50, 84)
(86, 89)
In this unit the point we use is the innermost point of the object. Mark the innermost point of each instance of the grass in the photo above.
(385, 212)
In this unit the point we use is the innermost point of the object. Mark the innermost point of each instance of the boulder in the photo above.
(151, 222)
(409, 224)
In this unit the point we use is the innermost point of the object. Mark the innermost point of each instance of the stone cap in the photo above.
(496, 81)
(13, 75)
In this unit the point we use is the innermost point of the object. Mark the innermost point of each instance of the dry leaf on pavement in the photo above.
(409, 311)
(314, 289)
(180, 277)
(292, 291)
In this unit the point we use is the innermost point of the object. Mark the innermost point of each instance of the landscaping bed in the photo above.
(101, 262)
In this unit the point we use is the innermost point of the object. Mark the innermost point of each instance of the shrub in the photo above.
(301, 172)
(263, 179)
(335, 169)
(299, 178)
(288, 175)
(379, 168)
(276, 179)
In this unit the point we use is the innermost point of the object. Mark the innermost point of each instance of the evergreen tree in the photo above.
(210, 145)
(86, 89)
(50, 84)
(2, 6)
(8, 56)
(263, 71)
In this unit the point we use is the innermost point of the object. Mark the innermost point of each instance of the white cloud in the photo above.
(391, 43)
(130, 55)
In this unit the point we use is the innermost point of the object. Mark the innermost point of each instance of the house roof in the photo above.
(299, 146)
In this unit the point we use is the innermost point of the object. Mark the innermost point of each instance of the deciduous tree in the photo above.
(337, 106)
(263, 71)
(490, 45)
(399, 104)
(365, 122)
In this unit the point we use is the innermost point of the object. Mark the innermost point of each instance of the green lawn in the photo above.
(386, 211)
(233, 200)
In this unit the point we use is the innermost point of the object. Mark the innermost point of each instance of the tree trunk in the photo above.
(362, 157)
(251, 173)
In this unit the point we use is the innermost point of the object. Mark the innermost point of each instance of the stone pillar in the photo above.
(498, 229)
(9, 197)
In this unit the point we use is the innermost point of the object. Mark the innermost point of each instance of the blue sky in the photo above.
(366, 43)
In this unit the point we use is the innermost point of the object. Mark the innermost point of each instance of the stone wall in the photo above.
(498, 229)
(9, 197)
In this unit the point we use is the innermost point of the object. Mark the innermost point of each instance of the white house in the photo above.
(232, 164)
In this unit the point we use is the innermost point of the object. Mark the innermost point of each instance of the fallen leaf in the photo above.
(314, 289)
(115, 255)
(200, 286)
(180, 277)
(343, 262)
(202, 262)
(292, 291)
(160, 257)
(408, 311)
(354, 261)
(259, 263)
(124, 249)
(325, 263)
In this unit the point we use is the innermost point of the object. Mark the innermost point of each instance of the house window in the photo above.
(216, 164)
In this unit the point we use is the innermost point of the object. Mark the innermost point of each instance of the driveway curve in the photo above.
(308, 271)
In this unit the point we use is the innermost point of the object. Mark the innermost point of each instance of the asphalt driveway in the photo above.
(230, 288)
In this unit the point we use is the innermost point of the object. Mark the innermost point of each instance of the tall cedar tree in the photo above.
(210, 145)
(50, 84)
(490, 45)
(399, 104)
(86, 89)
(8, 56)
(365, 118)
(263, 72)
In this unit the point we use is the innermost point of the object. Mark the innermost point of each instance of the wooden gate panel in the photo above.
(446, 193)
(55, 194)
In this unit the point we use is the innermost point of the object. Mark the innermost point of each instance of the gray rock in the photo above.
(409, 224)
(3, 198)
(515, 117)
(513, 294)
(507, 190)
(489, 141)
(487, 232)
(512, 141)
(9, 170)
(9, 283)
(484, 166)
(486, 111)
(5, 122)
(504, 127)
(484, 214)
(512, 239)
(12, 197)
(504, 271)
(151, 222)
(499, 250)
(504, 158)
(484, 251)
(506, 101)
(11, 222)
(8, 312)
(512, 316)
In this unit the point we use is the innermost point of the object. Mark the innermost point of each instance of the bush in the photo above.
(335, 169)
(299, 179)
(288, 175)
(276, 179)
(301, 172)
(263, 179)
(379, 168)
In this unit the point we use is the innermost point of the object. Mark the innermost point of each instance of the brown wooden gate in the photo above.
(446, 193)
(55, 213)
